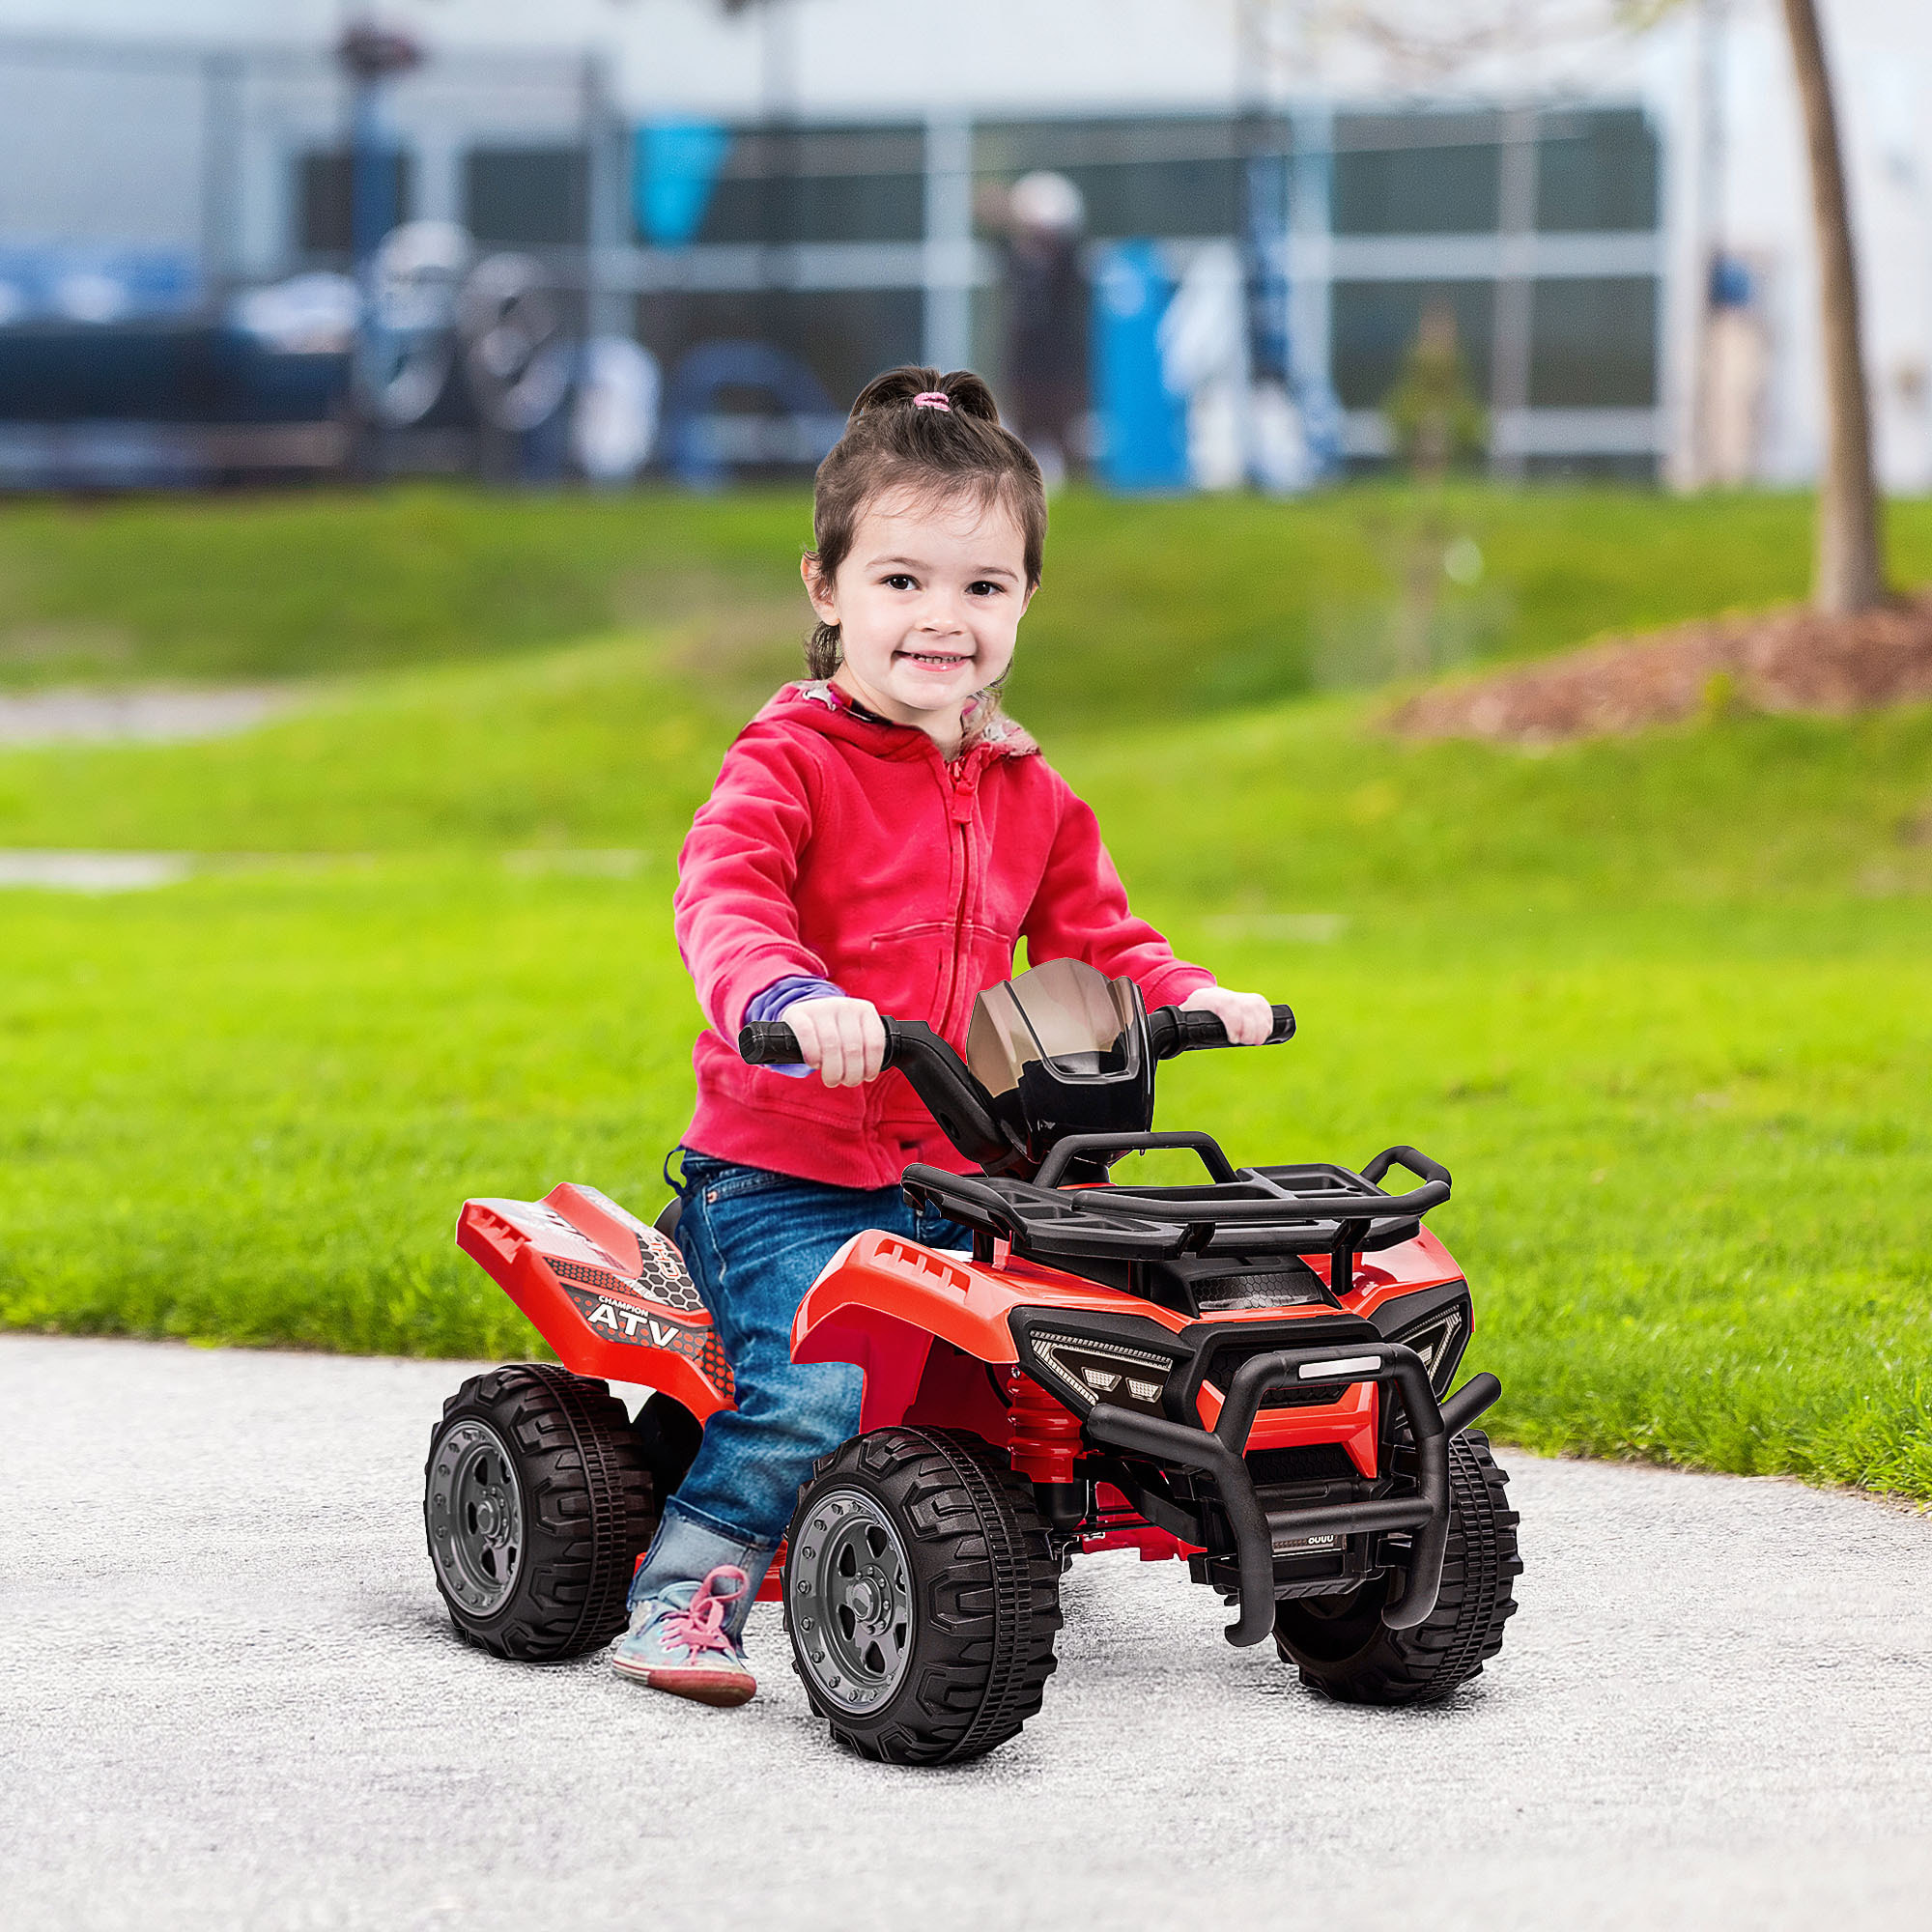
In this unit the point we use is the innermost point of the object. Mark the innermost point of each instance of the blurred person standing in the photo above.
(1046, 308)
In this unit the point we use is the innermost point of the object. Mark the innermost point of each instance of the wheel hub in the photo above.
(850, 1599)
(475, 1516)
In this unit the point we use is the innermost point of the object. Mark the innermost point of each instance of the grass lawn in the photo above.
(1664, 1007)
(1149, 608)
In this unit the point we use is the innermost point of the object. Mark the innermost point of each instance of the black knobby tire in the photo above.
(1343, 1648)
(537, 1504)
(977, 1597)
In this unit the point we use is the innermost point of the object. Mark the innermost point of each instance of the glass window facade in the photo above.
(1419, 173)
(1595, 173)
(819, 184)
(1172, 177)
(324, 209)
(1593, 338)
(1593, 343)
(1425, 176)
(1375, 322)
(524, 197)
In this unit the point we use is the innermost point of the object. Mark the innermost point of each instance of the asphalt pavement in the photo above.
(229, 1698)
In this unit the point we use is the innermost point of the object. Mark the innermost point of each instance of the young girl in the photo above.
(880, 838)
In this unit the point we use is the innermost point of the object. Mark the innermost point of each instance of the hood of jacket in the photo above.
(820, 705)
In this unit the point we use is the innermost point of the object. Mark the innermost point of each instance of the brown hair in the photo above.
(892, 444)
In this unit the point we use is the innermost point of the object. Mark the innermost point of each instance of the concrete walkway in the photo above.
(230, 1699)
(137, 715)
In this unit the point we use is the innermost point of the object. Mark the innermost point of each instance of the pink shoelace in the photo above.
(701, 1627)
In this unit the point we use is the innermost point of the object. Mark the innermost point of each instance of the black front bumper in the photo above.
(1220, 1454)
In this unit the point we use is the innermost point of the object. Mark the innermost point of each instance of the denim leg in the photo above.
(755, 1242)
(683, 1552)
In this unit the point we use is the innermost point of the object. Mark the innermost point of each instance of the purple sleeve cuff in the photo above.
(770, 1004)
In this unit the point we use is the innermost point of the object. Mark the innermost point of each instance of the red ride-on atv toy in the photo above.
(1249, 1374)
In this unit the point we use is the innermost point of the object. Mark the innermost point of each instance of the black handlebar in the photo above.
(939, 1077)
(952, 1097)
(769, 1043)
(1172, 1030)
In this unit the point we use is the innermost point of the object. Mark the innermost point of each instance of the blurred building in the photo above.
(780, 199)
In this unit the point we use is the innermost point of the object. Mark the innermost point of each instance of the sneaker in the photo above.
(677, 1640)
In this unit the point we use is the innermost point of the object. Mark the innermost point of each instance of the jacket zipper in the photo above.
(960, 794)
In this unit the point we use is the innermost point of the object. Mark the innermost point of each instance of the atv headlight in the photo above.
(1439, 1341)
(1092, 1371)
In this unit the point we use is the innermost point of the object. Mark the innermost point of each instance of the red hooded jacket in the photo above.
(840, 847)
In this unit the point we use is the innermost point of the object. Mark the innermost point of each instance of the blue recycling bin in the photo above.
(1143, 428)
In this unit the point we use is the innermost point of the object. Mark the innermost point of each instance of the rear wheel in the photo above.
(1343, 1648)
(921, 1597)
(537, 1504)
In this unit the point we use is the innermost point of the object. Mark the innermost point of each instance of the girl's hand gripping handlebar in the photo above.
(841, 1039)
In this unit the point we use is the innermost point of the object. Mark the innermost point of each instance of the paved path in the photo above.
(230, 1699)
(139, 714)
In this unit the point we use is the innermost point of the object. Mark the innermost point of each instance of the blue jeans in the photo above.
(755, 1241)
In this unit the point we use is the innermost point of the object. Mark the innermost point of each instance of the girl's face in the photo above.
(928, 603)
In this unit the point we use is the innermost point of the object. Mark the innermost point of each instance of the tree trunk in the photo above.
(1850, 570)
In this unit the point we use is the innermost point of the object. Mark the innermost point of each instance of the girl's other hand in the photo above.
(844, 1039)
(1248, 1017)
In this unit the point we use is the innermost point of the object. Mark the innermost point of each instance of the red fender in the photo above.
(609, 1293)
(879, 1303)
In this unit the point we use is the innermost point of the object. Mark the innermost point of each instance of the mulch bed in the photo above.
(1789, 660)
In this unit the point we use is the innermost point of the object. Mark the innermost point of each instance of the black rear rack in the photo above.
(1316, 1208)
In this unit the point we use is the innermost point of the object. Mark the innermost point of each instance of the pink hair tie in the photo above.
(932, 399)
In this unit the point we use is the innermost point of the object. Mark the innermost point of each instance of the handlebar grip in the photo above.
(768, 1044)
(772, 1043)
(1173, 1030)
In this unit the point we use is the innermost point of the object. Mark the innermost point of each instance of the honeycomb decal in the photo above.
(712, 1361)
(663, 1280)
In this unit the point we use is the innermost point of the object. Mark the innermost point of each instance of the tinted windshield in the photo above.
(1055, 1011)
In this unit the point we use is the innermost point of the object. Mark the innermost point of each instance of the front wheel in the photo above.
(1343, 1648)
(537, 1504)
(921, 1597)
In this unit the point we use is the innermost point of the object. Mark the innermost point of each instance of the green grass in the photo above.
(247, 1109)
(1665, 1006)
(589, 744)
(1149, 608)
(296, 587)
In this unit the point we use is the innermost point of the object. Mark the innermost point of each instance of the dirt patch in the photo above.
(1789, 660)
